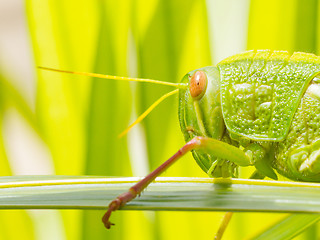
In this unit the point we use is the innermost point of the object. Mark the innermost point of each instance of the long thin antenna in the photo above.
(143, 115)
(97, 75)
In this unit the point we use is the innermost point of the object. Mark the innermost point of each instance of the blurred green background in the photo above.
(68, 125)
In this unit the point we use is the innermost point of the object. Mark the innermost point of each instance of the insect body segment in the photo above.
(261, 91)
(297, 157)
(203, 117)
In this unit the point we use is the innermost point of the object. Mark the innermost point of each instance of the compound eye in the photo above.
(198, 84)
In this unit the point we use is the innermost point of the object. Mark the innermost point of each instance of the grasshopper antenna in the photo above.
(98, 75)
(143, 115)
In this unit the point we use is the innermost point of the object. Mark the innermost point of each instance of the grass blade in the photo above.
(289, 227)
(191, 194)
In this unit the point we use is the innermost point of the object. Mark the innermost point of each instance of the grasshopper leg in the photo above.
(136, 189)
(223, 225)
(220, 149)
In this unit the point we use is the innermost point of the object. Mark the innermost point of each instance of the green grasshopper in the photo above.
(258, 108)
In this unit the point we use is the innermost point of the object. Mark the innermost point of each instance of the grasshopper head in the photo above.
(200, 110)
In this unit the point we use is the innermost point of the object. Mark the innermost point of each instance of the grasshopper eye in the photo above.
(198, 84)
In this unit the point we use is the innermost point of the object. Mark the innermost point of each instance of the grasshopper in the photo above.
(258, 108)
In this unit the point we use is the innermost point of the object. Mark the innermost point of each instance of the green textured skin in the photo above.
(260, 96)
(261, 90)
(304, 134)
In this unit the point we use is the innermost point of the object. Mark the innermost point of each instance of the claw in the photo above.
(105, 219)
(108, 224)
(113, 206)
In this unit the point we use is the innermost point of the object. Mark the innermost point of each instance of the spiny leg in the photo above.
(209, 145)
